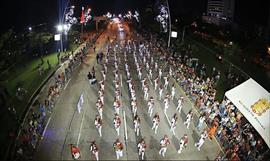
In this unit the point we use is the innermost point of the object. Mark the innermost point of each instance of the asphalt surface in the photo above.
(67, 126)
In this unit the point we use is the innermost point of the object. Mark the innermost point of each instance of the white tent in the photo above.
(253, 101)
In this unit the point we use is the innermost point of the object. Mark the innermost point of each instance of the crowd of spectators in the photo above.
(32, 129)
(239, 140)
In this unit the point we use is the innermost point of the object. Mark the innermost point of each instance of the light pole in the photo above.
(170, 25)
(62, 27)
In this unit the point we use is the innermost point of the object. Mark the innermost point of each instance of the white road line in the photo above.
(121, 80)
(46, 127)
(167, 118)
(125, 125)
(78, 140)
(67, 84)
(149, 78)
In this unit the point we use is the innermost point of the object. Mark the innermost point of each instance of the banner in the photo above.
(253, 101)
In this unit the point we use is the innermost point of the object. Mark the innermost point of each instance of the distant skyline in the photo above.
(21, 14)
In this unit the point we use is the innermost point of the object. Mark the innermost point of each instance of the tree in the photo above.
(37, 40)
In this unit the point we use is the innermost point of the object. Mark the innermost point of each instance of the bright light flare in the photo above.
(60, 28)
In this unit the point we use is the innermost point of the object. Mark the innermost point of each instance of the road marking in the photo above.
(78, 140)
(167, 119)
(121, 80)
(46, 127)
(67, 84)
(125, 125)
(149, 78)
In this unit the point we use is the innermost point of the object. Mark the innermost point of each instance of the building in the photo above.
(220, 12)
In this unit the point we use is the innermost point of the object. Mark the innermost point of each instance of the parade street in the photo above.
(68, 125)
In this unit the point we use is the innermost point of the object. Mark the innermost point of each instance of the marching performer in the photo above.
(103, 74)
(75, 152)
(98, 124)
(136, 123)
(156, 121)
(160, 92)
(117, 123)
(201, 141)
(141, 147)
(99, 106)
(94, 149)
(173, 91)
(134, 107)
(146, 91)
(183, 143)
(102, 85)
(166, 79)
(156, 80)
(166, 104)
(118, 147)
(139, 73)
(150, 73)
(156, 66)
(150, 104)
(180, 104)
(173, 123)
(116, 105)
(102, 97)
(160, 72)
(188, 118)
(164, 142)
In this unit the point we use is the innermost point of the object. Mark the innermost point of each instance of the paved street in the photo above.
(67, 126)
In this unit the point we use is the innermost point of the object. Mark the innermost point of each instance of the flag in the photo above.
(80, 103)
(82, 16)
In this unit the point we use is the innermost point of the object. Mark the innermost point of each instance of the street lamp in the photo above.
(30, 29)
(170, 27)
(60, 28)
(162, 18)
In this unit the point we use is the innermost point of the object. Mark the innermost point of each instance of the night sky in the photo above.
(21, 14)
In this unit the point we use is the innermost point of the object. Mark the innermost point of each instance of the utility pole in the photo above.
(170, 25)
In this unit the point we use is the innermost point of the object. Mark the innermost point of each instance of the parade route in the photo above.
(67, 126)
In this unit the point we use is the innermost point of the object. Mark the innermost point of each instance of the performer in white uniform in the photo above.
(117, 123)
(179, 104)
(183, 143)
(173, 123)
(94, 150)
(136, 123)
(118, 147)
(188, 118)
(141, 148)
(156, 121)
(164, 142)
(98, 124)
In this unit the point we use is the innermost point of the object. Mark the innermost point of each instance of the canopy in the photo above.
(253, 101)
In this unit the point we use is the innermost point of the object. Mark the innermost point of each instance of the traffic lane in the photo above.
(51, 145)
(152, 139)
(58, 129)
(131, 142)
(109, 134)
